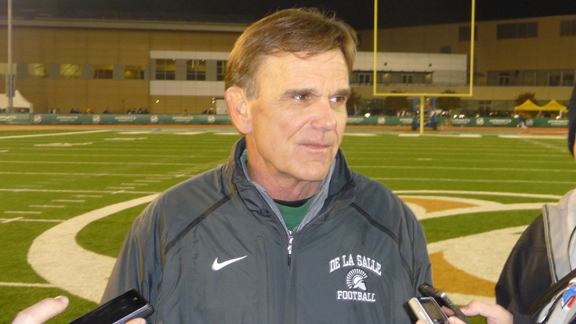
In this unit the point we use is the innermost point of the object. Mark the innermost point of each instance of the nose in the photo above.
(324, 118)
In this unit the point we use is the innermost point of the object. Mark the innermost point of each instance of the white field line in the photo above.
(360, 134)
(441, 135)
(69, 200)
(546, 145)
(21, 212)
(457, 168)
(120, 188)
(87, 196)
(552, 137)
(125, 139)
(567, 162)
(475, 180)
(79, 191)
(477, 193)
(3, 151)
(133, 184)
(54, 134)
(56, 256)
(47, 206)
(97, 163)
(20, 219)
(102, 155)
(23, 284)
(88, 174)
(147, 180)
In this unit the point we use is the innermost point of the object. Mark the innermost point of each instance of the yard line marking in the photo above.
(23, 284)
(83, 174)
(477, 180)
(548, 146)
(360, 134)
(87, 196)
(69, 200)
(133, 184)
(455, 168)
(441, 135)
(125, 138)
(10, 220)
(62, 144)
(20, 219)
(21, 212)
(3, 151)
(98, 163)
(122, 188)
(555, 137)
(77, 191)
(56, 134)
(479, 193)
(47, 206)
(147, 181)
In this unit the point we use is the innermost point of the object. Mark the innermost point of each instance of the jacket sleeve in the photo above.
(421, 266)
(526, 273)
(139, 264)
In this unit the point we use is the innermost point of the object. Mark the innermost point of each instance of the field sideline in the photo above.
(68, 196)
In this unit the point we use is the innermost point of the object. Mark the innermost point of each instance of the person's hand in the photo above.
(48, 308)
(494, 314)
(42, 311)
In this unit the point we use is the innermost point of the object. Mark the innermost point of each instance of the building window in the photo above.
(517, 30)
(134, 72)
(102, 71)
(504, 78)
(165, 69)
(365, 79)
(568, 78)
(196, 70)
(37, 70)
(464, 33)
(446, 49)
(220, 70)
(407, 78)
(568, 28)
(70, 71)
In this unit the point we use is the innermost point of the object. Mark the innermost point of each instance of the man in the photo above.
(283, 232)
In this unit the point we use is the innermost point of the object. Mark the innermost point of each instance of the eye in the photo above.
(338, 99)
(301, 97)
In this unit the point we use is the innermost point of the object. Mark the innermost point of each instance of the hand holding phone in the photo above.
(443, 300)
(129, 305)
(428, 310)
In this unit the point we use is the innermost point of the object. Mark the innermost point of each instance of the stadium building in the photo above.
(178, 67)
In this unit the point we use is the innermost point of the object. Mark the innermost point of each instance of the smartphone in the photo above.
(129, 305)
(443, 300)
(428, 310)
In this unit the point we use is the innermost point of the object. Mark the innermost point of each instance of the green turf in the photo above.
(111, 232)
(61, 177)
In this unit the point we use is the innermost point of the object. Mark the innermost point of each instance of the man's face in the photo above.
(298, 117)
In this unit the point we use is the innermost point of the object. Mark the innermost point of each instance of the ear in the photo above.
(238, 109)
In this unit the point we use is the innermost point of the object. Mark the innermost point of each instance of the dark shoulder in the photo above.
(377, 200)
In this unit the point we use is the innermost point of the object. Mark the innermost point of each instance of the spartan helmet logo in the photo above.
(355, 279)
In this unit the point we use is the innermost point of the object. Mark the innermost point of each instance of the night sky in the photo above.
(359, 13)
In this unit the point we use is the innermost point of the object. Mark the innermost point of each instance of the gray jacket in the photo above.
(213, 250)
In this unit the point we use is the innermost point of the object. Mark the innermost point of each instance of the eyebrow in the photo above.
(311, 91)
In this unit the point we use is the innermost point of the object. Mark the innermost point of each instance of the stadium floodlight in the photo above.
(423, 95)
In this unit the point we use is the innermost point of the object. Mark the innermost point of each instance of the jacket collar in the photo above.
(338, 185)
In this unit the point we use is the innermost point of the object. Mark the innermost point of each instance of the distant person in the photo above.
(89, 111)
(145, 111)
(106, 111)
(139, 110)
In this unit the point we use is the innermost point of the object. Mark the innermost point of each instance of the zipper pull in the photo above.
(290, 238)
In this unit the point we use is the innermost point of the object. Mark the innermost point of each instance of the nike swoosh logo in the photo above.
(217, 266)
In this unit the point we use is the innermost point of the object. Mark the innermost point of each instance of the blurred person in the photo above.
(284, 232)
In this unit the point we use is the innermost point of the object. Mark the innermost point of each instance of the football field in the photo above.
(68, 197)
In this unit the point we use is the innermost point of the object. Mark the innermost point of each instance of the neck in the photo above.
(282, 187)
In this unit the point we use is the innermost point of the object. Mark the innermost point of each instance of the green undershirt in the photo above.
(292, 212)
(293, 215)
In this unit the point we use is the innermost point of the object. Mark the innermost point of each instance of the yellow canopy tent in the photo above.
(551, 106)
(528, 105)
